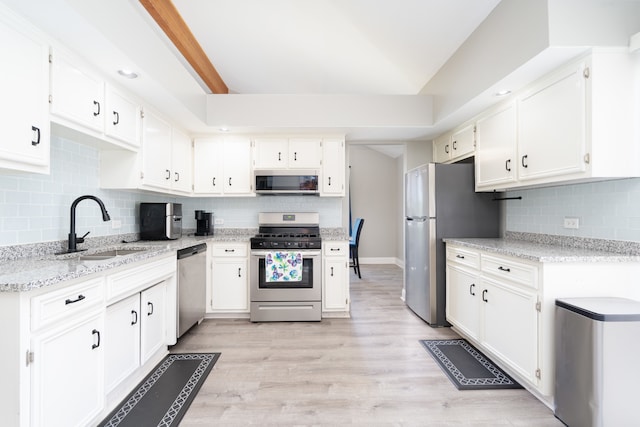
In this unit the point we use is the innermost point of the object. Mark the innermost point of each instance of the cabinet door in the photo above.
(122, 118)
(270, 153)
(442, 149)
(67, 382)
(333, 167)
(305, 153)
(551, 128)
(24, 105)
(77, 95)
(156, 151)
(463, 300)
(152, 321)
(229, 284)
(515, 341)
(237, 165)
(336, 284)
(462, 142)
(180, 161)
(496, 148)
(121, 341)
(207, 165)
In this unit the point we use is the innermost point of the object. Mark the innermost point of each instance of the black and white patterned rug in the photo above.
(466, 367)
(164, 396)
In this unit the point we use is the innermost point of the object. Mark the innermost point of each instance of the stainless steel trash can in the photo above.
(597, 369)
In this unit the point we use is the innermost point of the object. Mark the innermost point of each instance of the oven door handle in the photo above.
(305, 252)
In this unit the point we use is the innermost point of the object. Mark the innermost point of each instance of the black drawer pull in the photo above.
(230, 250)
(484, 293)
(501, 268)
(71, 301)
(96, 332)
(460, 256)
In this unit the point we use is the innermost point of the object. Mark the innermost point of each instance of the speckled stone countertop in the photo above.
(28, 267)
(546, 248)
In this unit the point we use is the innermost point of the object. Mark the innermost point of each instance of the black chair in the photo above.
(354, 241)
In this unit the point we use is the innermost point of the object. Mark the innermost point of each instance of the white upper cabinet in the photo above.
(576, 124)
(181, 161)
(156, 151)
(285, 153)
(24, 105)
(222, 166)
(454, 146)
(83, 102)
(333, 167)
(496, 148)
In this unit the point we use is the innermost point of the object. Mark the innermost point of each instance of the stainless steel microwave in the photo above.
(287, 181)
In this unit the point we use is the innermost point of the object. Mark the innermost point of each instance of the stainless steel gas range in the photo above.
(286, 266)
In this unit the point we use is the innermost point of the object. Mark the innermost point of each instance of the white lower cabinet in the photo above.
(152, 321)
(506, 306)
(66, 377)
(229, 278)
(335, 278)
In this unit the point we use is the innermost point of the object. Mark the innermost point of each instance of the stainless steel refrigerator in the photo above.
(440, 202)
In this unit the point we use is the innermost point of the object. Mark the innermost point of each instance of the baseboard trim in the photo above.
(382, 260)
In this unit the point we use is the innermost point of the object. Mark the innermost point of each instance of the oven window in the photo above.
(306, 282)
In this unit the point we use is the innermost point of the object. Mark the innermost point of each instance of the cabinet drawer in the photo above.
(229, 250)
(135, 279)
(336, 248)
(71, 300)
(463, 257)
(510, 269)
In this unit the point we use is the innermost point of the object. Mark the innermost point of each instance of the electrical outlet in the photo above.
(571, 222)
(218, 221)
(116, 224)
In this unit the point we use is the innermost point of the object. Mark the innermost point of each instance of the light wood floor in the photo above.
(369, 370)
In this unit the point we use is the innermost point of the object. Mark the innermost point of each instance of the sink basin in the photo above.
(109, 254)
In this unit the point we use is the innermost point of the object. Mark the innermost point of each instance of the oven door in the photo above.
(307, 289)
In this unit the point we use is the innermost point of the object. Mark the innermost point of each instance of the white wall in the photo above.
(35, 208)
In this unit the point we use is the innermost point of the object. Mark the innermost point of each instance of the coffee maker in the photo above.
(204, 223)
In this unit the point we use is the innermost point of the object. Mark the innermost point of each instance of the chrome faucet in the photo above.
(73, 240)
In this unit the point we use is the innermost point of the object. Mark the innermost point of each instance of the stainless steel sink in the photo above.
(109, 254)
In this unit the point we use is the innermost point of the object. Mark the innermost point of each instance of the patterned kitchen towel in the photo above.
(283, 266)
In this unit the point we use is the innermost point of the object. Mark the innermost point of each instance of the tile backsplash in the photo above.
(36, 208)
(605, 210)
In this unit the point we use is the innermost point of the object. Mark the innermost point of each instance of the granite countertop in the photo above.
(554, 250)
(28, 267)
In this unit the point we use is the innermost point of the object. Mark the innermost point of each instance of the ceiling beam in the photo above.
(168, 18)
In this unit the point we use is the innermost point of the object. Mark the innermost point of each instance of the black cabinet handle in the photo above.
(524, 163)
(507, 165)
(279, 156)
(446, 148)
(177, 176)
(229, 182)
(37, 139)
(484, 293)
(71, 301)
(96, 332)
(116, 116)
(460, 256)
(334, 249)
(454, 145)
(149, 308)
(473, 285)
(295, 156)
(213, 181)
(168, 174)
(97, 112)
(135, 317)
(501, 268)
(331, 271)
(230, 250)
(239, 271)
(329, 180)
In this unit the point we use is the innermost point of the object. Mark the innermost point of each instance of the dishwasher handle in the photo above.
(192, 250)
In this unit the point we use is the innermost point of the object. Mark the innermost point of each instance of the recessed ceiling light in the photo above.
(503, 93)
(129, 74)
(223, 129)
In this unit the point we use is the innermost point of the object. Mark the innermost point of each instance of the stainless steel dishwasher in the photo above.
(192, 264)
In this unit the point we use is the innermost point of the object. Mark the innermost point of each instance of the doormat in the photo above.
(164, 396)
(466, 367)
